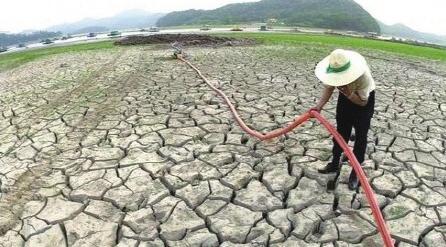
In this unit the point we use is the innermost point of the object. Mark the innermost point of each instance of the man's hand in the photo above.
(345, 91)
(316, 108)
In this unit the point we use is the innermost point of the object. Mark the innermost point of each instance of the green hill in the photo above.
(333, 14)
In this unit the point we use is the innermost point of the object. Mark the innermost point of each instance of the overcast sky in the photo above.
(18, 15)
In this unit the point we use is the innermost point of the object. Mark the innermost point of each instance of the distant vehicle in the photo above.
(91, 35)
(21, 46)
(353, 33)
(297, 30)
(236, 29)
(143, 30)
(66, 37)
(3, 49)
(331, 32)
(47, 41)
(371, 35)
(154, 29)
(114, 34)
(205, 28)
(263, 28)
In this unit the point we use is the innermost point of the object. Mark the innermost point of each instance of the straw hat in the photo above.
(341, 67)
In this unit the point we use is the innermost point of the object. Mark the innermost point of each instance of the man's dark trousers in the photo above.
(348, 116)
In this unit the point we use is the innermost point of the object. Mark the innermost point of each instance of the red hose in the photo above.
(371, 198)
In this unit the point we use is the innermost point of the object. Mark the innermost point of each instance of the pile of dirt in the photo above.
(184, 40)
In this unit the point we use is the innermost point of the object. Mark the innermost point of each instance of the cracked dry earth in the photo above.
(127, 147)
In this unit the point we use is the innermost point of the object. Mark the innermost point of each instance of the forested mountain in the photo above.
(123, 20)
(333, 14)
(13, 39)
(403, 31)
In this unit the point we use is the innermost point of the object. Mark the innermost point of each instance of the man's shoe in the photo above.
(353, 182)
(329, 168)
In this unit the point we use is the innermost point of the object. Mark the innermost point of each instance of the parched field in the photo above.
(128, 147)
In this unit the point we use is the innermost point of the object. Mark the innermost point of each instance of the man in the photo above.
(348, 72)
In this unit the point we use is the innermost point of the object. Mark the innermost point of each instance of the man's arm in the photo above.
(326, 95)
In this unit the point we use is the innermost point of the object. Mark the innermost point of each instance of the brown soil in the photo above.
(184, 40)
